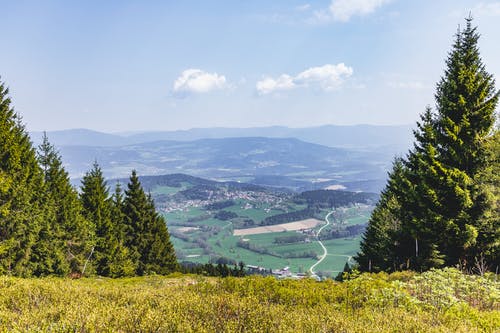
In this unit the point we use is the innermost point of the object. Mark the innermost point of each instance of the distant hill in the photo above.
(182, 181)
(357, 157)
(355, 136)
(79, 137)
(295, 164)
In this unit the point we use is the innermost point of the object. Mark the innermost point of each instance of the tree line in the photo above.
(47, 227)
(441, 203)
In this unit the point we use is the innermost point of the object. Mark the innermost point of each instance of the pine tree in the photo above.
(445, 207)
(488, 179)
(378, 245)
(465, 103)
(134, 209)
(97, 207)
(21, 212)
(71, 231)
(161, 257)
(123, 264)
(419, 200)
(147, 236)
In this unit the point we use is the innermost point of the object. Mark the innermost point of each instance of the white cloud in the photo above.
(269, 85)
(198, 81)
(328, 77)
(343, 10)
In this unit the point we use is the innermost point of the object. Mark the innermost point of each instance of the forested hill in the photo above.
(283, 162)
(336, 198)
(179, 179)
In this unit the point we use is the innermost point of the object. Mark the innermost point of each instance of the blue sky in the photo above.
(165, 65)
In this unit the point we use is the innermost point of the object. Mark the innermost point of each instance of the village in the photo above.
(252, 199)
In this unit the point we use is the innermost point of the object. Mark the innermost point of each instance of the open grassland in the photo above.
(436, 301)
(291, 226)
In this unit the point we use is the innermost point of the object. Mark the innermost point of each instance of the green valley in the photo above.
(266, 228)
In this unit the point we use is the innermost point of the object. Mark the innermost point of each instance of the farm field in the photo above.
(236, 222)
(199, 237)
(435, 301)
(291, 226)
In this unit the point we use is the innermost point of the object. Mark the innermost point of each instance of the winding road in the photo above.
(325, 251)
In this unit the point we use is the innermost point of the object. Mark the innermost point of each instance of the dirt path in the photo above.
(325, 251)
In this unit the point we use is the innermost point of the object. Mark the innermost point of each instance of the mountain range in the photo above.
(356, 158)
(354, 136)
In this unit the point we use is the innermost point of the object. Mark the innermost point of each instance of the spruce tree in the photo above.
(21, 212)
(97, 207)
(147, 236)
(135, 221)
(161, 257)
(378, 245)
(123, 264)
(71, 231)
(446, 214)
(488, 179)
(465, 104)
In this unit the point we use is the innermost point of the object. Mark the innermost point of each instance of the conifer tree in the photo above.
(147, 236)
(118, 217)
(21, 212)
(123, 264)
(445, 206)
(465, 104)
(135, 222)
(488, 179)
(161, 257)
(97, 208)
(67, 222)
(378, 245)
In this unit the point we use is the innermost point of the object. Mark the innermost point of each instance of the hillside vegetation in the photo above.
(436, 301)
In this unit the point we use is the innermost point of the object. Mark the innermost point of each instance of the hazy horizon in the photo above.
(139, 131)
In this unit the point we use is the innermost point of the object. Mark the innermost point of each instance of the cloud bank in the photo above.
(327, 77)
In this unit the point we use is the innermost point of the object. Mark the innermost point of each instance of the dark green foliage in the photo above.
(146, 233)
(290, 239)
(344, 232)
(488, 179)
(377, 248)
(219, 269)
(290, 216)
(345, 274)
(334, 199)
(225, 215)
(47, 229)
(21, 213)
(97, 208)
(439, 208)
(112, 258)
(72, 234)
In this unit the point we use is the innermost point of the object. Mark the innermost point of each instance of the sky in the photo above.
(130, 65)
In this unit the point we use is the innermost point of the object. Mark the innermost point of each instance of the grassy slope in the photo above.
(439, 301)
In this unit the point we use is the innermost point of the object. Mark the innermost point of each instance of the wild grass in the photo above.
(436, 301)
